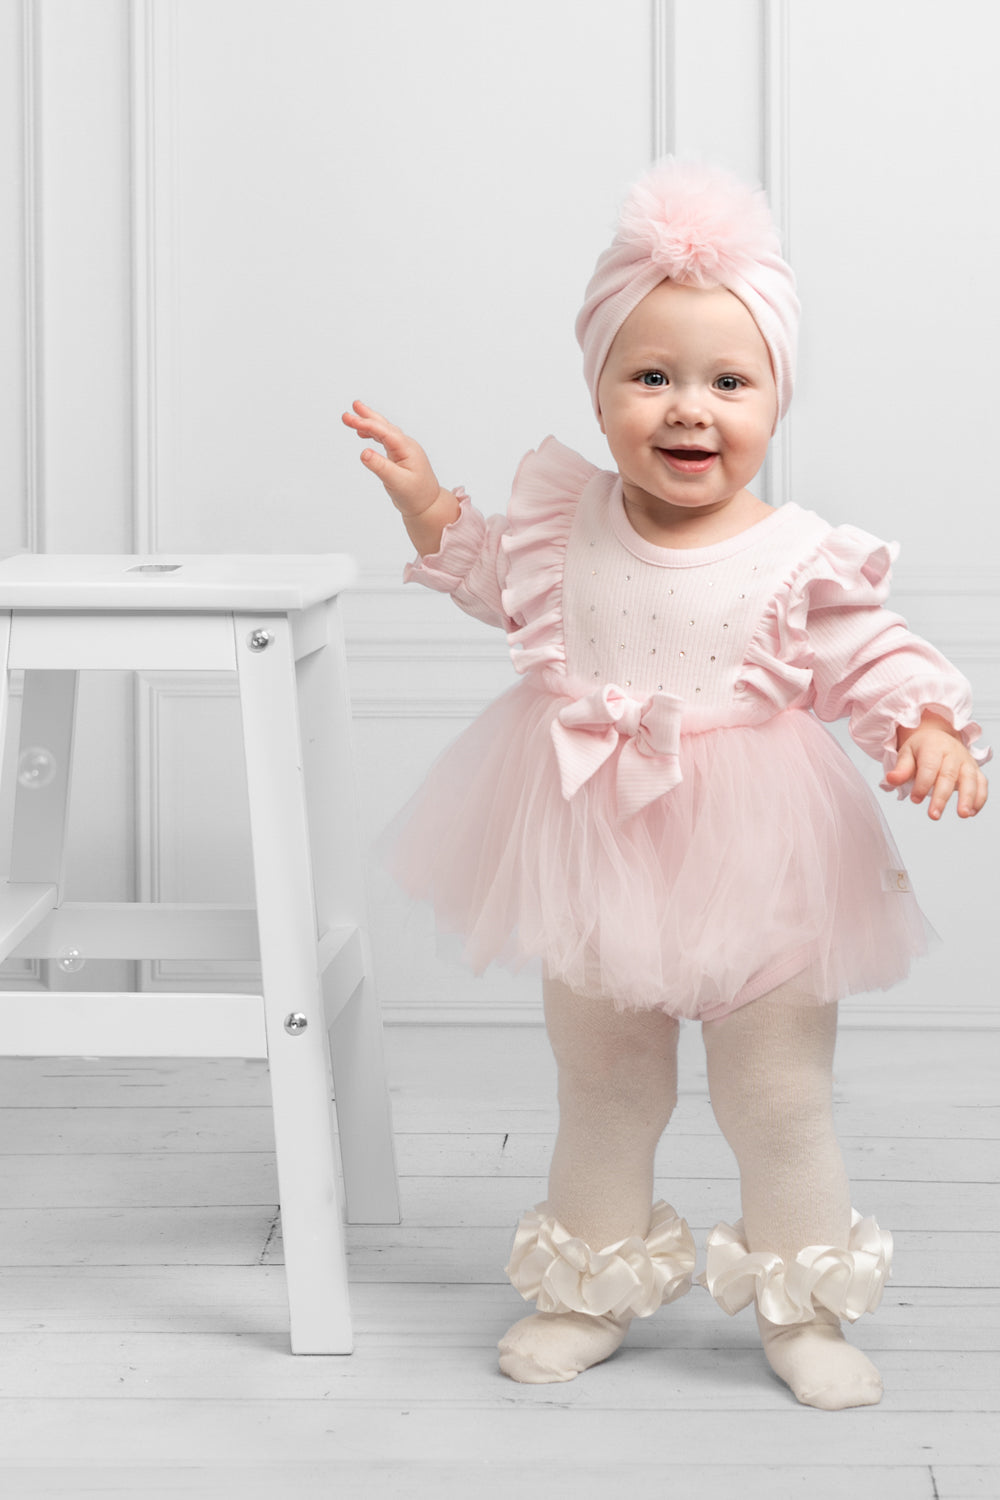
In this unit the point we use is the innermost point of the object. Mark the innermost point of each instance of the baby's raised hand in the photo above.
(938, 763)
(404, 468)
(405, 471)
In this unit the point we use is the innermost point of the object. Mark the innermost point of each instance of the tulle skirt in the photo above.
(771, 859)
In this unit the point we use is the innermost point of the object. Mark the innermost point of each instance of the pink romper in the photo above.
(654, 811)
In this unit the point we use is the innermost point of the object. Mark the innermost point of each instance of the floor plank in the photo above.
(180, 1176)
(488, 1480)
(698, 1374)
(144, 1318)
(541, 1428)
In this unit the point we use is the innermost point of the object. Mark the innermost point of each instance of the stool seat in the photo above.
(273, 622)
(186, 581)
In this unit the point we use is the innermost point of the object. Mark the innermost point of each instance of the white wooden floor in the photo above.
(143, 1324)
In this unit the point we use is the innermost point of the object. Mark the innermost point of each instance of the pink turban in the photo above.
(700, 226)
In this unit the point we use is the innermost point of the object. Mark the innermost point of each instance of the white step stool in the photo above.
(275, 622)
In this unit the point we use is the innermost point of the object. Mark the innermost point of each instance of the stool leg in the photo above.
(356, 1046)
(305, 1141)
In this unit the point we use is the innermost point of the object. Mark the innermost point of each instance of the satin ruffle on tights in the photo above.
(631, 1278)
(846, 1282)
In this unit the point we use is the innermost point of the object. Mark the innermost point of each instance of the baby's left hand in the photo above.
(937, 761)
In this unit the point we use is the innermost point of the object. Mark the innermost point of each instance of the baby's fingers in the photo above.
(940, 775)
(944, 783)
(973, 789)
(935, 771)
(904, 769)
(382, 467)
(370, 424)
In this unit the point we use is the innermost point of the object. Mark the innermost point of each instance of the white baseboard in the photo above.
(855, 1015)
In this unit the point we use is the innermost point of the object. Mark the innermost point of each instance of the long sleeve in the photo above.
(470, 565)
(866, 664)
(507, 570)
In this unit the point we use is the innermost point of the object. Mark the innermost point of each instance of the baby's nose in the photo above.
(688, 408)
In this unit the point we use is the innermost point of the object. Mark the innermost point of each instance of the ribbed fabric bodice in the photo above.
(656, 619)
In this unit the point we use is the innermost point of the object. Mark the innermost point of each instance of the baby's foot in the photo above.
(818, 1364)
(547, 1347)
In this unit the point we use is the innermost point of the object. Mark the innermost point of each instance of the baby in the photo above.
(655, 810)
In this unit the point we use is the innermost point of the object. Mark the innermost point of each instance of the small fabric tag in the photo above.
(895, 880)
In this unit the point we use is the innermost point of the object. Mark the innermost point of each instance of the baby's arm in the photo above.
(869, 665)
(937, 761)
(410, 482)
(468, 563)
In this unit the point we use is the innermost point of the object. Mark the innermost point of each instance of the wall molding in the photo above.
(854, 1015)
(143, 167)
(663, 126)
(152, 692)
(152, 50)
(775, 115)
(32, 241)
(774, 156)
(981, 579)
(22, 974)
(380, 647)
(152, 82)
(385, 706)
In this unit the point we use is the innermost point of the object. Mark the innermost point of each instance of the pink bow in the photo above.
(586, 732)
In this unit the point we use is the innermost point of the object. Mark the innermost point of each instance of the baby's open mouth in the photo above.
(689, 460)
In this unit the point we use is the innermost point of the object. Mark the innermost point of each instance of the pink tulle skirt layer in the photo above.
(770, 860)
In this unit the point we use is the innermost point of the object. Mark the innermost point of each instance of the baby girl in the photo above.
(656, 812)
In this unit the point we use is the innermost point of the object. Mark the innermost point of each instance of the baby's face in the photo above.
(688, 401)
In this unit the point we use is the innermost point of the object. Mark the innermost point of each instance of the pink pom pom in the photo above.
(698, 223)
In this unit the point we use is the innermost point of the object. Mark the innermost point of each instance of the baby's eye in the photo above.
(653, 378)
(729, 382)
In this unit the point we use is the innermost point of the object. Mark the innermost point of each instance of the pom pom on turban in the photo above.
(697, 225)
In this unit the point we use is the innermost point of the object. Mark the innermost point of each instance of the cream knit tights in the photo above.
(617, 1091)
(770, 1072)
(770, 1076)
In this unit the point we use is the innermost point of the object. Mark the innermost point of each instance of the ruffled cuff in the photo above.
(632, 1278)
(462, 542)
(905, 710)
(846, 1282)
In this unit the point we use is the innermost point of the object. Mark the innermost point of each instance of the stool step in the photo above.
(140, 929)
(79, 1024)
(22, 908)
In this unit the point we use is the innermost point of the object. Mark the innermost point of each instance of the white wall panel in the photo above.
(889, 129)
(83, 265)
(65, 372)
(895, 232)
(18, 344)
(713, 94)
(225, 218)
(14, 393)
(194, 842)
(397, 200)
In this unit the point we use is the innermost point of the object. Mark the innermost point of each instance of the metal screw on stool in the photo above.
(259, 640)
(296, 1023)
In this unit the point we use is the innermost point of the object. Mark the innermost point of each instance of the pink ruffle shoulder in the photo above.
(663, 851)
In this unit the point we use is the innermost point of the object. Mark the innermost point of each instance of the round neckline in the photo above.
(685, 557)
